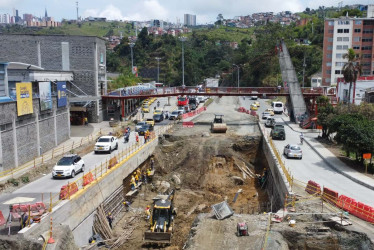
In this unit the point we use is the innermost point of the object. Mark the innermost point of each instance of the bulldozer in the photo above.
(217, 125)
(161, 221)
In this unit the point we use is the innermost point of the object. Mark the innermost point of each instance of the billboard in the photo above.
(61, 94)
(45, 96)
(24, 98)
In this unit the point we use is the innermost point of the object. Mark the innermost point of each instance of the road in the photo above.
(312, 167)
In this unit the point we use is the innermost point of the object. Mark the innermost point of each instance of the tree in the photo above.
(351, 69)
(325, 115)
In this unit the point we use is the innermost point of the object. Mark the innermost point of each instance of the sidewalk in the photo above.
(329, 158)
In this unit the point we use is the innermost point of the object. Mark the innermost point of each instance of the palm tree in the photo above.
(351, 69)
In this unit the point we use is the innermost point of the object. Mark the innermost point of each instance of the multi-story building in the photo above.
(189, 20)
(341, 34)
(4, 18)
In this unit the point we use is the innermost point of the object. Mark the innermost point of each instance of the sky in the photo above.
(206, 11)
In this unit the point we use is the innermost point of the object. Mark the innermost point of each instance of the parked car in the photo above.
(278, 132)
(270, 122)
(265, 115)
(174, 115)
(158, 118)
(293, 151)
(68, 166)
(106, 144)
(139, 125)
(201, 99)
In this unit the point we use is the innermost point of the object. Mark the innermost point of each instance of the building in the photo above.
(359, 92)
(189, 20)
(5, 18)
(85, 56)
(341, 34)
(34, 112)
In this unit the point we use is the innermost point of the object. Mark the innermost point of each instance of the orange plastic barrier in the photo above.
(313, 188)
(72, 188)
(112, 162)
(346, 203)
(2, 219)
(364, 212)
(188, 124)
(87, 179)
(330, 195)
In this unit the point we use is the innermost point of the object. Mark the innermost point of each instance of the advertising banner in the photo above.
(61, 94)
(24, 98)
(45, 96)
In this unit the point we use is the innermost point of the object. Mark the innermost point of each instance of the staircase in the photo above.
(297, 104)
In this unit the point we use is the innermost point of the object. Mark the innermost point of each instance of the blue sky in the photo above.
(205, 10)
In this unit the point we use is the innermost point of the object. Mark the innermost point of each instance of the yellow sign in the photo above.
(24, 98)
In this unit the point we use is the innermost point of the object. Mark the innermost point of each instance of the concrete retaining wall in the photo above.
(78, 212)
(277, 184)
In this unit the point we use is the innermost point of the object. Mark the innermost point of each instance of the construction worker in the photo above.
(152, 163)
(110, 219)
(133, 183)
(136, 178)
(145, 137)
(148, 212)
(144, 177)
(149, 172)
(137, 137)
(147, 133)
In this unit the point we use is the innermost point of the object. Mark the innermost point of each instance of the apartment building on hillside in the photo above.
(341, 34)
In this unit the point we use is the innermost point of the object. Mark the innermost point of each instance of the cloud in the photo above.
(111, 12)
(9, 3)
(147, 9)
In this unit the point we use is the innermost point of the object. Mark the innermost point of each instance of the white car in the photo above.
(254, 97)
(265, 115)
(106, 144)
(293, 151)
(68, 166)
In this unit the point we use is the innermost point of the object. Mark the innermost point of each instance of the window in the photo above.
(366, 72)
(346, 30)
(366, 48)
(339, 47)
(339, 39)
(329, 47)
(340, 30)
(329, 56)
(330, 39)
(366, 56)
(331, 31)
(337, 72)
(338, 56)
(365, 64)
(367, 39)
(345, 39)
(331, 23)
(327, 80)
(356, 47)
(339, 63)
(343, 22)
(345, 47)
(328, 71)
(357, 30)
(358, 22)
(357, 39)
(368, 31)
(328, 64)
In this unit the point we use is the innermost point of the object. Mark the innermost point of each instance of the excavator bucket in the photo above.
(219, 127)
(157, 237)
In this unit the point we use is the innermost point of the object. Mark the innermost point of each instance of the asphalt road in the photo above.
(312, 167)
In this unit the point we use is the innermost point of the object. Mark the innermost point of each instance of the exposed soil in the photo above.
(207, 167)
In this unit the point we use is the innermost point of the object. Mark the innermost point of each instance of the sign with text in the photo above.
(24, 98)
(366, 156)
(45, 96)
(61, 94)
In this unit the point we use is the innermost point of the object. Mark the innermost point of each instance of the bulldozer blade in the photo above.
(158, 238)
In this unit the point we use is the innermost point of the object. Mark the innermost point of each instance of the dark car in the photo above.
(143, 130)
(158, 117)
(278, 132)
(192, 106)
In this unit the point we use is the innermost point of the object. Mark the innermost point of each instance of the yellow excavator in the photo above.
(161, 221)
(217, 125)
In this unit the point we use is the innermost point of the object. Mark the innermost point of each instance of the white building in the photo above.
(357, 92)
(4, 18)
(189, 20)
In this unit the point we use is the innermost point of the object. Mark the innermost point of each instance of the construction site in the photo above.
(203, 171)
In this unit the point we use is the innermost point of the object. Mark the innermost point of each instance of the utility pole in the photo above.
(238, 73)
(132, 56)
(77, 11)
(183, 39)
(304, 65)
(158, 68)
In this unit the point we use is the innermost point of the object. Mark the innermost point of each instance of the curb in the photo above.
(333, 167)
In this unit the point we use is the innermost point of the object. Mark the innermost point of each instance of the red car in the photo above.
(182, 101)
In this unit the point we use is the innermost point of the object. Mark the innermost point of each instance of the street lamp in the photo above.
(183, 39)
(304, 65)
(132, 56)
(238, 72)
(158, 68)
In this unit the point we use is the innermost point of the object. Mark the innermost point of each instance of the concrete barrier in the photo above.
(78, 212)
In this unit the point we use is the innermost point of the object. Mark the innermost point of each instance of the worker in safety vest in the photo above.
(136, 178)
(147, 133)
(132, 182)
(139, 173)
(148, 212)
(149, 171)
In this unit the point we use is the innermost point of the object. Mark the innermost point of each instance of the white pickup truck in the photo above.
(106, 144)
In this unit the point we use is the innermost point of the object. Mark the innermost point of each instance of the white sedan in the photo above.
(106, 144)
(293, 151)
